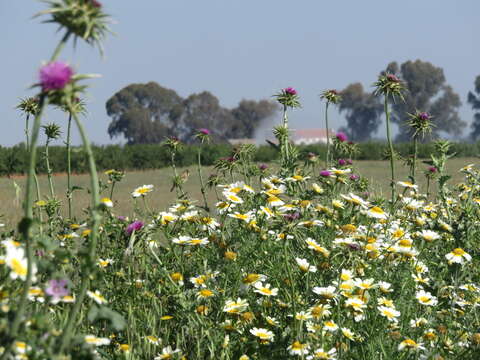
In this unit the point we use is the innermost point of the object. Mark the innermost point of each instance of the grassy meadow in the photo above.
(377, 173)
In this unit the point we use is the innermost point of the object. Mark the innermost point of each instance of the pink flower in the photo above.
(393, 78)
(424, 116)
(325, 173)
(204, 131)
(55, 75)
(57, 289)
(290, 91)
(342, 162)
(432, 169)
(341, 136)
(134, 226)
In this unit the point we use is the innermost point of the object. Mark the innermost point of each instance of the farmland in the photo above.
(10, 207)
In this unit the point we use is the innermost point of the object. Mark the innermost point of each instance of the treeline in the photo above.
(13, 160)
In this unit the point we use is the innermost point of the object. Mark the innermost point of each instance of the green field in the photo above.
(377, 172)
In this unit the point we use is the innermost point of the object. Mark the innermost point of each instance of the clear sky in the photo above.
(241, 49)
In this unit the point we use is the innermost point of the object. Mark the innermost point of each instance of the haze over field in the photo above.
(247, 49)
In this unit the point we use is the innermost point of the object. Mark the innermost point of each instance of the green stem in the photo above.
(290, 276)
(49, 170)
(60, 46)
(111, 190)
(27, 128)
(202, 185)
(414, 164)
(179, 185)
(35, 178)
(428, 187)
(391, 154)
(327, 159)
(27, 221)
(66, 336)
(37, 187)
(26, 227)
(284, 142)
(69, 167)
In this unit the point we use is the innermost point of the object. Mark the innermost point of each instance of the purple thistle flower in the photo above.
(325, 173)
(342, 162)
(263, 167)
(341, 136)
(134, 226)
(121, 217)
(393, 78)
(57, 289)
(432, 169)
(204, 131)
(96, 3)
(290, 91)
(354, 177)
(55, 75)
(424, 116)
(349, 161)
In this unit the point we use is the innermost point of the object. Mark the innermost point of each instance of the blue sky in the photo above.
(241, 49)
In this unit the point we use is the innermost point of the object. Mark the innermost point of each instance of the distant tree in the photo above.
(142, 113)
(248, 115)
(147, 113)
(426, 91)
(201, 110)
(363, 111)
(474, 100)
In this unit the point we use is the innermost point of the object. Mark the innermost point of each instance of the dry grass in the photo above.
(10, 208)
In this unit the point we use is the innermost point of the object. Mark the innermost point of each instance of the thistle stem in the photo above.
(60, 46)
(200, 176)
(27, 129)
(414, 162)
(49, 170)
(26, 228)
(65, 338)
(327, 158)
(111, 190)
(284, 141)
(69, 167)
(391, 154)
(35, 178)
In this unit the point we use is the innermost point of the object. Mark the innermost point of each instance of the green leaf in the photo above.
(115, 320)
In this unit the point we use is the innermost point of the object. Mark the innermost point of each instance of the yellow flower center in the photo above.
(206, 293)
(297, 345)
(377, 210)
(250, 278)
(18, 268)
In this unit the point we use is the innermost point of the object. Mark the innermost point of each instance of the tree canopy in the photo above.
(474, 101)
(147, 113)
(363, 112)
(426, 90)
